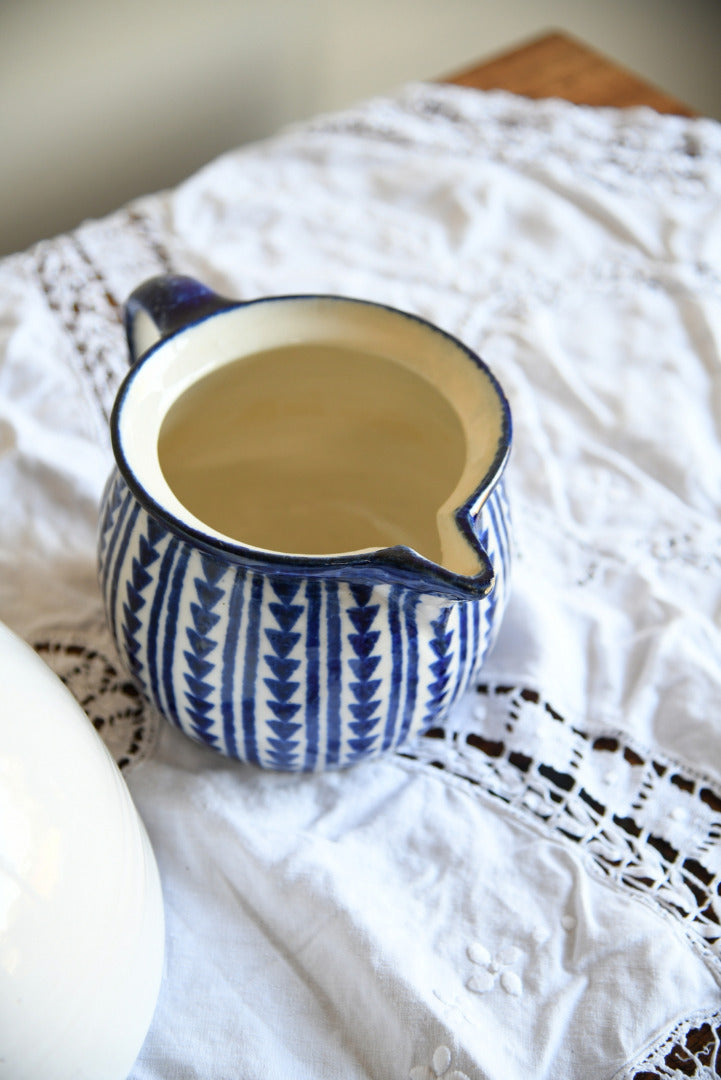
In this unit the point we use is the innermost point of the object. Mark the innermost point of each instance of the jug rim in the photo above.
(397, 564)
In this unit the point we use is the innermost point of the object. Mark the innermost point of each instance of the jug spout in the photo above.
(401, 566)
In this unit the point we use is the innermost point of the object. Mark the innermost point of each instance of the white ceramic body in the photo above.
(294, 661)
(81, 917)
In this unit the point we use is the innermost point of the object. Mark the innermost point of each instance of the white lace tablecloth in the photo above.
(533, 891)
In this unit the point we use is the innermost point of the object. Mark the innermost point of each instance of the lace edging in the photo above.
(647, 825)
(85, 660)
(691, 1049)
(619, 149)
(86, 296)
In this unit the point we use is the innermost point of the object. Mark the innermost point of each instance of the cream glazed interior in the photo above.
(316, 426)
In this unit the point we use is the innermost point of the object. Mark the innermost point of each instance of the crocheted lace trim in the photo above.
(646, 824)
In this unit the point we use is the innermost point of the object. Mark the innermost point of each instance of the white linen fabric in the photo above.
(533, 889)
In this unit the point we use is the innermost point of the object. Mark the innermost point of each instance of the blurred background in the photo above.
(102, 101)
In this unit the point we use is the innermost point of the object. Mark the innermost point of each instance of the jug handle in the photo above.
(162, 305)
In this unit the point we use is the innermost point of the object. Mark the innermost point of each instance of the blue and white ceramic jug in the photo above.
(304, 548)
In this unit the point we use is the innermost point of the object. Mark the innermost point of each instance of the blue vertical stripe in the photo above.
(334, 673)
(462, 677)
(312, 688)
(491, 602)
(496, 549)
(231, 657)
(476, 633)
(171, 626)
(394, 625)
(499, 526)
(250, 669)
(409, 612)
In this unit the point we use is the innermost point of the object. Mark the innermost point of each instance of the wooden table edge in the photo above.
(555, 64)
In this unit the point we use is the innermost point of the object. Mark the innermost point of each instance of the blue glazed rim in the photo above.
(177, 303)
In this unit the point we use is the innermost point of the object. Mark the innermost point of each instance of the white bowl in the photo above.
(81, 916)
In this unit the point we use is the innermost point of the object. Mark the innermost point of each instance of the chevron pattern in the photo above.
(283, 638)
(135, 600)
(200, 646)
(440, 668)
(115, 505)
(110, 508)
(363, 666)
(283, 672)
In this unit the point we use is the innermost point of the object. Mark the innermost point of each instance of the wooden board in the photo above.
(557, 65)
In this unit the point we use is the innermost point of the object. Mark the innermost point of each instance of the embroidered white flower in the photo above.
(494, 969)
(440, 1067)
